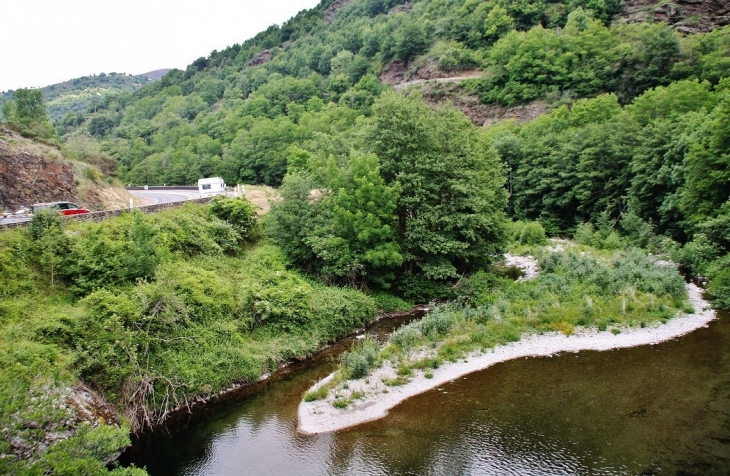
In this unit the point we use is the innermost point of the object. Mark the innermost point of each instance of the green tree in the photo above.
(355, 239)
(498, 23)
(27, 114)
(708, 166)
(450, 216)
(411, 41)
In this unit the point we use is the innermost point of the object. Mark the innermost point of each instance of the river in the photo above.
(660, 409)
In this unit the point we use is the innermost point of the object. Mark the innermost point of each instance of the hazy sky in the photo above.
(51, 41)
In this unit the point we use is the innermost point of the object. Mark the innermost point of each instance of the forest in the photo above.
(388, 197)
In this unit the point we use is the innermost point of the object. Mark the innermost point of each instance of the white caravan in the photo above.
(210, 187)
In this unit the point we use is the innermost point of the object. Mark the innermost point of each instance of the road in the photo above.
(143, 197)
(154, 197)
(7, 221)
(471, 75)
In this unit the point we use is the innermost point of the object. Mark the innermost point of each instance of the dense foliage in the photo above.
(26, 113)
(427, 203)
(151, 311)
(636, 127)
(379, 191)
(656, 170)
(236, 112)
(68, 102)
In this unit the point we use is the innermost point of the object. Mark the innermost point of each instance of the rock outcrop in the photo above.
(30, 176)
(685, 16)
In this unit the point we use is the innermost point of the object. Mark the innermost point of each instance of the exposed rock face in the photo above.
(260, 58)
(394, 73)
(329, 14)
(686, 16)
(90, 407)
(26, 178)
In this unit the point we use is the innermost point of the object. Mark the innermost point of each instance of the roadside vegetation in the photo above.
(151, 312)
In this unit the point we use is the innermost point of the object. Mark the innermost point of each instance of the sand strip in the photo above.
(321, 417)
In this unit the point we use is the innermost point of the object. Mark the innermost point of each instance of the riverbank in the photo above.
(376, 398)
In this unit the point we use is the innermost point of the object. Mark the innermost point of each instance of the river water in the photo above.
(661, 409)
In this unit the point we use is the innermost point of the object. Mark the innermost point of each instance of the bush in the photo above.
(238, 212)
(358, 362)
(719, 288)
(337, 311)
(584, 234)
(451, 56)
(406, 337)
(191, 230)
(437, 322)
(604, 238)
(389, 303)
(112, 253)
(528, 233)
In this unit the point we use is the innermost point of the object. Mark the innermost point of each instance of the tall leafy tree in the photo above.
(450, 212)
(354, 240)
(708, 166)
(27, 113)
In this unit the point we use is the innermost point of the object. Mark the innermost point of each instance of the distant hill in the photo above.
(81, 95)
(157, 74)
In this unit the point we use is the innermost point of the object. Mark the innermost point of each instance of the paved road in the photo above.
(153, 197)
(5, 221)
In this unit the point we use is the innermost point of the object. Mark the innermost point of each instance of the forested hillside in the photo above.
(394, 193)
(636, 134)
(68, 102)
(237, 112)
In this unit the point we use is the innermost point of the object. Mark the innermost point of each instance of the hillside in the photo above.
(84, 94)
(591, 119)
(32, 172)
(237, 112)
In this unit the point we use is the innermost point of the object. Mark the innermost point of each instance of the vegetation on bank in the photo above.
(577, 288)
(380, 193)
(150, 311)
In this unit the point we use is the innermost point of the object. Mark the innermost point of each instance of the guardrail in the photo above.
(164, 187)
(104, 215)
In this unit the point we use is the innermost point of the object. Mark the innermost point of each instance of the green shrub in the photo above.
(388, 303)
(191, 230)
(358, 362)
(451, 56)
(418, 288)
(281, 298)
(584, 234)
(406, 337)
(437, 322)
(238, 212)
(529, 233)
(111, 253)
(91, 173)
(719, 287)
(337, 311)
(697, 255)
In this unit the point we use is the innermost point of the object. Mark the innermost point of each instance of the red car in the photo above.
(66, 208)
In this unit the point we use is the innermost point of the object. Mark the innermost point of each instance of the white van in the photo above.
(210, 187)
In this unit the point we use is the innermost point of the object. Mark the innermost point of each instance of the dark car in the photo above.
(66, 208)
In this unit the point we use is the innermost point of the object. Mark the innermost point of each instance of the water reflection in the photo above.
(661, 409)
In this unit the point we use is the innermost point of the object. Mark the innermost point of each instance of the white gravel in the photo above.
(526, 264)
(321, 417)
